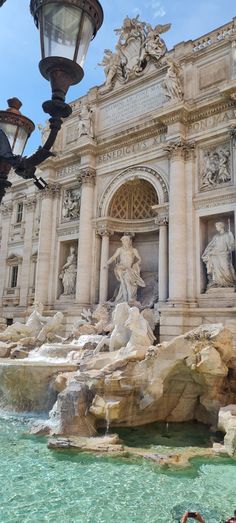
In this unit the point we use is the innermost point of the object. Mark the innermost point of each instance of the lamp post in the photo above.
(66, 29)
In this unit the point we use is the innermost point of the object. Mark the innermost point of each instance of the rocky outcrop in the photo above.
(29, 386)
(227, 424)
(182, 380)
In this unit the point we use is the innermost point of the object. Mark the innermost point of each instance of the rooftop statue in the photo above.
(138, 44)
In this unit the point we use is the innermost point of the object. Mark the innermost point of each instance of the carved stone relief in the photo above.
(172, 83)
(86, 121)
(71, 204)
(215, 166)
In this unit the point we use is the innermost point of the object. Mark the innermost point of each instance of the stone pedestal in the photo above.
(84, 269)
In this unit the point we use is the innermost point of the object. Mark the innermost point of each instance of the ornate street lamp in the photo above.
(66, 29)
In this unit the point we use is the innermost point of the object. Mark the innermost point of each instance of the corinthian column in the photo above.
(103, 283)
(49, 201)
(177, 223)
(85, 260)
(162, 221)
(29, 205)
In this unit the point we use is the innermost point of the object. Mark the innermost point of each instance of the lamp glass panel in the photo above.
(86, 36)
(10, 131)
(20, 142)
(60, 29)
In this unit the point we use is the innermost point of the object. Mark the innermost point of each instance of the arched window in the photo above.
(133, 201)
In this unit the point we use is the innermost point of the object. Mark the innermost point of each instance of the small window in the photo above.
(19, 212)
(14, 275)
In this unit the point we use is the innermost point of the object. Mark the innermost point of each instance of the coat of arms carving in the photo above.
(139, 44)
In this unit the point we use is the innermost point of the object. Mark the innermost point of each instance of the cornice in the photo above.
(210, 199)
(131, 135)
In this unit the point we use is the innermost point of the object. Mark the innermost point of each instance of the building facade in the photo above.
(149, 154)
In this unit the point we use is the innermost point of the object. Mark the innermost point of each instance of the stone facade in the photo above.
(149, 154)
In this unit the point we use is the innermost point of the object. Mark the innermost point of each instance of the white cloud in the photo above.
(157, 7)
(137, 11)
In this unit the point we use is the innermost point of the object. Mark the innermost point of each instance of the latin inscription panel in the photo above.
(131, 106)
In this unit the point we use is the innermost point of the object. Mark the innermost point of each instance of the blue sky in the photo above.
(20, 52)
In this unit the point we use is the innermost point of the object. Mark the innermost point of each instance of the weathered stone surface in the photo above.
(27, 385)
(181, 380)
(69, 414)
(5, 349)
(227, 423)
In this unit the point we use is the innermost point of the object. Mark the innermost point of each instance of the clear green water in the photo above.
(38, 485)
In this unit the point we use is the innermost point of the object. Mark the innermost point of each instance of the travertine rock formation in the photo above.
(178, 381)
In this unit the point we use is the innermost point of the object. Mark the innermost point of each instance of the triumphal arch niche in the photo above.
(128, 222)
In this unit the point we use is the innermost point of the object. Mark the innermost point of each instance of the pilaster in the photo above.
(45, 240)
(6, 210)
(29, 205)
(177, 151)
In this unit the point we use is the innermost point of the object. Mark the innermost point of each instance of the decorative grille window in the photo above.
(133, 201)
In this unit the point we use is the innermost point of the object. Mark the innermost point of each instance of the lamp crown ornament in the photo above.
(66, 28)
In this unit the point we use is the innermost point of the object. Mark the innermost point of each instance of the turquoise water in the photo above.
(39, 485)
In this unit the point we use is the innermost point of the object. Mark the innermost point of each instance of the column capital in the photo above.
(179, 148)
(162, 220)
(52, 190)
(87, 176)
(104, 231)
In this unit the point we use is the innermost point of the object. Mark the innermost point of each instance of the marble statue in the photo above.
(68, 273)
(172, 83)
(138, 44)
(121, 333)
(155, 46)
(218, 258)
(86, 121)
(71, 204)
(141, 332)
(111, 63)
(31, 328)
(216, 167)
(127, 271)
(51, 327)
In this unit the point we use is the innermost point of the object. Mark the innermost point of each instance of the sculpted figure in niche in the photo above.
(172, 83)
(68, 273)
(86, 121)
(127, 271)
(218, 258)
